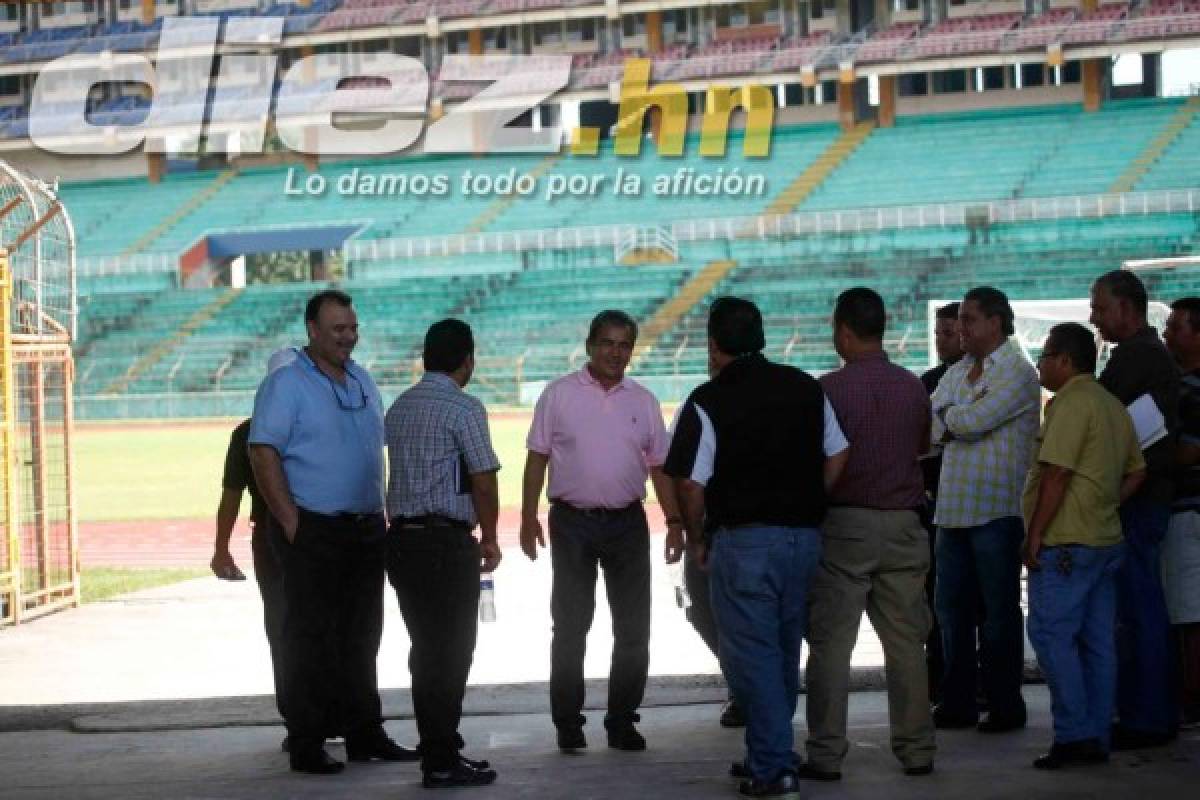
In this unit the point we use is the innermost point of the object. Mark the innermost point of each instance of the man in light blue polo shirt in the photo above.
(316, 445)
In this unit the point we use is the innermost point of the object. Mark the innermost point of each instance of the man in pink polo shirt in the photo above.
(602, 435)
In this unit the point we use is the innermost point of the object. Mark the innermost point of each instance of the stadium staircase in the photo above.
(502, 204)
(160, 351)
(1177, 124)
(666, 316)
(807, 182)
(694, 291)
(194, 202)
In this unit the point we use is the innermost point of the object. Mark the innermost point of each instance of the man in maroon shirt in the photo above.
(875, 551)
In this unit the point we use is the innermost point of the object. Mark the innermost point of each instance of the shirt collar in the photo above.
(441, 379)
(350, 367)
(1001, 355)
(734, 369)
(587, 379)
(865, 358)
(1074, 384)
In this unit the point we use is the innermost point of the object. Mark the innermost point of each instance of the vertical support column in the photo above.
(37, 451)
(1093, 84)
(310, 159)
(475, 41)
(847, 107)
(68, 445)
(8, 444)
(654, 32)
(148, 12)
(156, 166)
(887, 101)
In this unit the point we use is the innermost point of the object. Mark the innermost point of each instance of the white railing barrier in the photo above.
(863, 220)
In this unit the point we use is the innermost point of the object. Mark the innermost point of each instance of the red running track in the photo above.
(189, 542)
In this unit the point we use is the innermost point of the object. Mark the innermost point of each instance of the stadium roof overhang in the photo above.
(284, 240)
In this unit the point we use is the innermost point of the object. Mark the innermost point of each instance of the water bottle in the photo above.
(487, 598)
(682, 598)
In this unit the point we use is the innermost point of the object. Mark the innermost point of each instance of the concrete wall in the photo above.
(1000, 98)
(49, 166)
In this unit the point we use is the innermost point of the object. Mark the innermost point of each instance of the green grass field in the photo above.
(173, 471)
(103, 583)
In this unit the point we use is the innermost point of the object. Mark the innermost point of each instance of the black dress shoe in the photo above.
(316, 763)
(571, 739)
(919, 770)
(738, 769)
(1064, 754)
(1123, 738)
(809, 773)
(947, 719)
(732, 716)
(481, 763)
(458, 777)
(383, 749)
(626, 737)
(785, 785)
(1001, 723)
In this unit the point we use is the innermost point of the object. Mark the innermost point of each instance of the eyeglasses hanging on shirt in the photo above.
(342, 404)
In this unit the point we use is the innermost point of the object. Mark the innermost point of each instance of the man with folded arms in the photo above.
(1087, 463)
(1147, 711)
(985, 419)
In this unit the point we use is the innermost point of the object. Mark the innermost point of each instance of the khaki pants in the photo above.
(873, 561)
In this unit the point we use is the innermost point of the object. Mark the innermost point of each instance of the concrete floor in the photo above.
(688, 757)
(166, 694)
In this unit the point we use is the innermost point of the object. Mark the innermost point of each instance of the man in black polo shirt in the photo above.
(442, 482)
(949, 351)
(1140, 365)
(753, 453)
(238, 477)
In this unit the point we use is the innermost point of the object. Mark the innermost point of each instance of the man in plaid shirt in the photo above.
(986, 411)
(442, 482)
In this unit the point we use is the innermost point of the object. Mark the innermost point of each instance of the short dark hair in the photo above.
(992, 303)
(1124, 285)
(861, 310)
(611, 318)
(1076, 342)
(448, 344)
(736, 326)
(313, 309)
(948, 311)
(1191, 307)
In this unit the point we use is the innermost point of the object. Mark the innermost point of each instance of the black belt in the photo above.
(430, 521)
(597, 513)
(918, 510)
(350, 517)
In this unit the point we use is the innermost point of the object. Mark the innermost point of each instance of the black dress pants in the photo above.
(268, 574)
(435, 572)
(333, 585)
(619, 543)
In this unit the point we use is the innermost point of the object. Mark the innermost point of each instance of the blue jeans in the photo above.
(981, 561)
(1145, 689)
(1072, 625)
(759, 588)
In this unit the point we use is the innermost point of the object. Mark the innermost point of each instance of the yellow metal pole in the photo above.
(69, 466)
(8, 439)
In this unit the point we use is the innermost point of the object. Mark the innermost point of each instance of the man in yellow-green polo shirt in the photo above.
(1087, 462)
